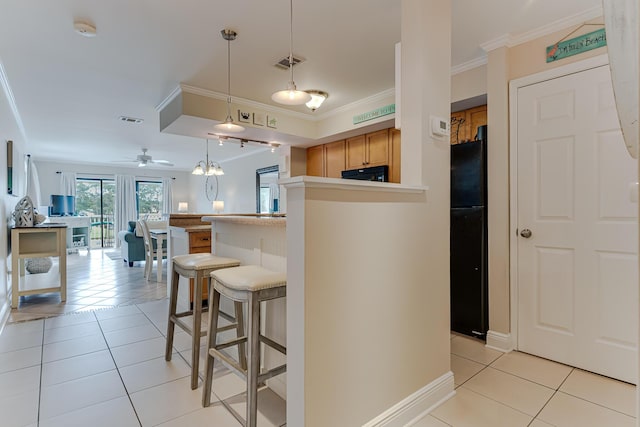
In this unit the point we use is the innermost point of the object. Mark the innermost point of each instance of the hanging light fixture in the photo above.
(207, 167)
(228, 125)
(317, 98)
(291, 95)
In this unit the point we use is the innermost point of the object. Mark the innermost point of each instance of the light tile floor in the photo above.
(107, 368)
(516, 389)
(104, 365)
(95, 281)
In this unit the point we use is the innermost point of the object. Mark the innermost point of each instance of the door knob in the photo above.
(526, 233)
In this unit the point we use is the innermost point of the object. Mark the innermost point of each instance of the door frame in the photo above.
(514, 85)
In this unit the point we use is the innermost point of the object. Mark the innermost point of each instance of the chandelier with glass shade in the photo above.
(207, 167)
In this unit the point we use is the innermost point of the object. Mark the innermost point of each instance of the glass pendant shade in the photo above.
(198, 170)
(291, 96)
(228, 125)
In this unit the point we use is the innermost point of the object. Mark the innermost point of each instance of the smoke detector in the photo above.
(84, 29)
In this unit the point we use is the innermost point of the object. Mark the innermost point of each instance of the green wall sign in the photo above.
(374, 114)
(583, 43)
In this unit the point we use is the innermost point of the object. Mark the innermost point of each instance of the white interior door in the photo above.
(577, 271)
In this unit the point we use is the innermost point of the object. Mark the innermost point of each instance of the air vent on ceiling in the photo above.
(283, 64)
(130, 119)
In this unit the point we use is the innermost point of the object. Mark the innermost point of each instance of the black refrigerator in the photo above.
(469, 278)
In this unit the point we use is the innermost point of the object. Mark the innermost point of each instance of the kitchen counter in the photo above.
(258, 240)
(279, 220)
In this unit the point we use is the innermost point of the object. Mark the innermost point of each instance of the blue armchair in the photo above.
(132, 245)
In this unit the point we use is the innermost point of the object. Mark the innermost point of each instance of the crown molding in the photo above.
(4, 82)
(260, 106)
(469, 65)
(509, 40)
(174, 93)
(246, 102)
(498, 42)
(559, 25)
(356, 104)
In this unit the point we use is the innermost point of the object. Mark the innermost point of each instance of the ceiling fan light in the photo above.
(142, 164)
(198, 170)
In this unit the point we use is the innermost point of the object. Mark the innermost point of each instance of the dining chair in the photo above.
(150, 252)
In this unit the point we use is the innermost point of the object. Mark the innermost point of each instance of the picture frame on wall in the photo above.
(259, 119)
(9, 167)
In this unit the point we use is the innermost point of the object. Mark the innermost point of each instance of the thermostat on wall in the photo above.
(440, 127)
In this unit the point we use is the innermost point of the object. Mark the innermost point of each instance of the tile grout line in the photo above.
(41, 370)
(118, 371)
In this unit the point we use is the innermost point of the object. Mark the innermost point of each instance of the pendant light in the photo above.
(228, 125)
(291, 95)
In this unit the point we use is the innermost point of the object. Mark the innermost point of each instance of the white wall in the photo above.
(9, 130)
(50, 180)
(236, 188)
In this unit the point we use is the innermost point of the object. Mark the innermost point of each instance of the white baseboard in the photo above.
(416, 406)
(499, 341)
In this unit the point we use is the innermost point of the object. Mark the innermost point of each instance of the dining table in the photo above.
(159, 235)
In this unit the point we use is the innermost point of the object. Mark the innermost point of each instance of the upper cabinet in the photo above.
(368, 150)
(335, 157)
(464, 124)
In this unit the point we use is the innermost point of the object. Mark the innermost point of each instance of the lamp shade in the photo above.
(291, 96)
(317, 98)
(183, 206)
(218, 205)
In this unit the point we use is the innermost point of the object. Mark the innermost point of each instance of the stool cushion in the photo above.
(203, 261)
(249, 278)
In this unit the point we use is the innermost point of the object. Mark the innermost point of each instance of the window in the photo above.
(95, 198)
(149, 200)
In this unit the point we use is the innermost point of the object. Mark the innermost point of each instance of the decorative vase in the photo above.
(23, 213)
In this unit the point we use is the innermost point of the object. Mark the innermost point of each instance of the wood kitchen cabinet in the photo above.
(464, 124)
(371, 149)
(335, 157)
(199, 243)
(326, 160)
(315, 160)
(394, 163)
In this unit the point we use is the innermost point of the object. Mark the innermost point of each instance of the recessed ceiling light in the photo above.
(84, 29)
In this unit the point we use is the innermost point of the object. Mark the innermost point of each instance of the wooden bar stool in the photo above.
(198, 267)
(251, 284)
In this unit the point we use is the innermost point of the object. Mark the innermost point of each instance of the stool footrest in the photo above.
(185, 326)
(235, 366)
(231, 343)
(274, 345)
(227, 328)
(272, 373)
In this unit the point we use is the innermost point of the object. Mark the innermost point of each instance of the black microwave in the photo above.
(375, 173)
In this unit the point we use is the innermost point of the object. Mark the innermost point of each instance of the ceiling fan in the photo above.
(144, 159)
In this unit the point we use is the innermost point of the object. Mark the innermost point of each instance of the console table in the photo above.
(45, 240)
(79, 234)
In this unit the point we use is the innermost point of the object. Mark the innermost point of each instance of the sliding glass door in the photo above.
(95, 197)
